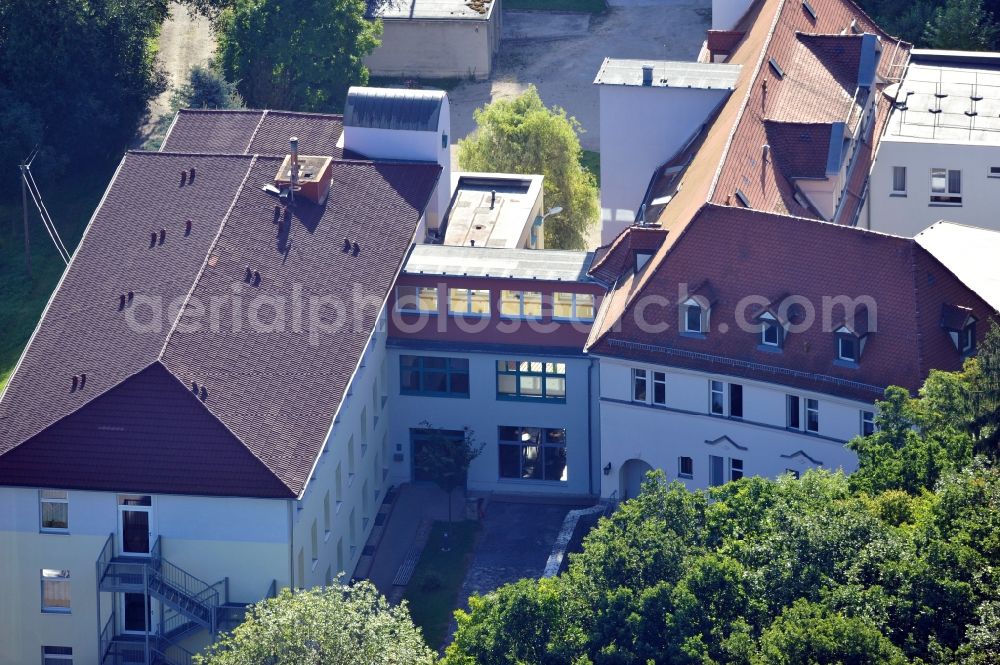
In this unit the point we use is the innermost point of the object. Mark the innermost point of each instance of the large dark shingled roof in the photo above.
(270, 397)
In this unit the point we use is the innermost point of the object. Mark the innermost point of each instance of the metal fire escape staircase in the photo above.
(187, 605)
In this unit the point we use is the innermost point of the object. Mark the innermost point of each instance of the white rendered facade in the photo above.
(484, 412)
(252, 542)
(656, 432)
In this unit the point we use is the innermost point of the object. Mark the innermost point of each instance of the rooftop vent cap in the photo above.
(187, 228)
(647, 74)
(191, 175)
(347, 245)
(163, 235)
(76, 383)
(184, 175)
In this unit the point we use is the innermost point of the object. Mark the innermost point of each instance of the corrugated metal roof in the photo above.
(393, 108)
(669, 74)
(550, 264)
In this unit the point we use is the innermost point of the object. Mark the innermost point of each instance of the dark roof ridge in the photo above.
(314, 114)
(170, 153)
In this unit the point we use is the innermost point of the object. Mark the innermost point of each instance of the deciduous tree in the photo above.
(521, 135)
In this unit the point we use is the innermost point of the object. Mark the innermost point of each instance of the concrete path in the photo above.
(185, 41)
(416, 505)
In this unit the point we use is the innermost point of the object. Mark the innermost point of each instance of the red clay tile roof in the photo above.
(742, 253)
(276, 392)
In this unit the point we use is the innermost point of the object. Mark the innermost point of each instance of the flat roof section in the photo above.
(947, 100)
(555, 265)
(479, 10)
(492, 209)
(970, 253)
(669, 74)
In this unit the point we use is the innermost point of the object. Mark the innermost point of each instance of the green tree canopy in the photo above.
(206, 88)
(74, 77)
(521, 135)
(962, 25)
(336, 625)
(301, 56)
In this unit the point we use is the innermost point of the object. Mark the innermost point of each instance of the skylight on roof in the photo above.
(777, 68)
(809, 9)
(742, 198)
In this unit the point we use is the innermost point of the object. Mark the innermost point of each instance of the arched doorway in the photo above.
(632, 473)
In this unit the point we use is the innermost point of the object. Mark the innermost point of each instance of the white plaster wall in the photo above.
(412, 145)
(484, 413)
(726, 13)
(641, 128)
(209, 537)
(426, 48)
(660, 435)
(366, 393)
(910, 214)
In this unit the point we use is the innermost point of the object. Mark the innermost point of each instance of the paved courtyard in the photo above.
(561, 53)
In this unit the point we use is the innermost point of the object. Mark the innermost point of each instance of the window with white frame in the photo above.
(573, 306)
(57, 655)
(531, 380)
(794, 473)
(53, 506)
(867, 423)
(770, 333)
(946, 186)
(847, 348)
(55, 591)
(793, 412)
(474, 302)
(640, 391)
(717, 398)
(968, 339)
(812, 415)
(417, 299)
(898, 180)
(660, 388)
(722, 469)
(685, 467)
(735, 468)
(994, 172)
(692, 318)
(521, 304)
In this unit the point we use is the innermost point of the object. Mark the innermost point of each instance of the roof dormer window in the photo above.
(960, 324)
(692, 317)
(847, 348)
(770, 332)
(641, 259)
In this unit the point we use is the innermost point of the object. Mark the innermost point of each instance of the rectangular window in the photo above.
(946, 186)
(521, 304)
(53, 510)
(812, 415)
(433, 375)
(314, 543)
(639, 392)
(573, 306)
(532, 453)
(57, 655)
(794, 472)
(692, 319)
(735, 400)
(475, 302)
(969, 339)
(793, 409)
(660, 388)
(531, 380)
(994, 172)
(55, 591)
(847, 348)
(417, 299)
(716, 466)
(899, 180)
(770, 333)
(867, 423)
(685, 467)
(735, 468)
(717, 404)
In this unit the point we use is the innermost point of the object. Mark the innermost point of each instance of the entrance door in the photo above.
(136, 614)
(135, 530)
(632, 474)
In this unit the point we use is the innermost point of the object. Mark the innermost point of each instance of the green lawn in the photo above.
(433, 588)
(71, 200)
(591, 6)
(591, 160)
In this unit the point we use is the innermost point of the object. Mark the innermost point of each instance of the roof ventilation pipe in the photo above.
(647, 74)
(294, 144)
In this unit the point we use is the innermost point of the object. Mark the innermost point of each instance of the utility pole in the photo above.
(24, 210)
